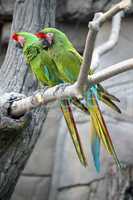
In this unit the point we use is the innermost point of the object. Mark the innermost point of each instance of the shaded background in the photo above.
(53, 171)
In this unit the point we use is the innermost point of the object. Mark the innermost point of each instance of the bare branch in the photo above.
(41, 97)
(94, 27)
(123, 5)
(111, 71)
(64, 90)
(110, 44)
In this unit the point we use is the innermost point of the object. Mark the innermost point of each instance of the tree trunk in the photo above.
(17, 146)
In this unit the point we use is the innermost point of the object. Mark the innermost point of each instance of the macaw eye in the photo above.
(50, 35)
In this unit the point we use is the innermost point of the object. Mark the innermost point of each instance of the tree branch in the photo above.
(110, 44)
(111, 71)
(41, 97)
(94, 27)
(64, 90)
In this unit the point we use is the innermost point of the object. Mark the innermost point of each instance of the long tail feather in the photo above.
(95, 146)
(80, 105)
(109, 103)
(107, 98)
(102, 131)
(105, 93)
(67, 112)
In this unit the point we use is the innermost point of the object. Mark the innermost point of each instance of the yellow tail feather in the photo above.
(67, 112)
(102, 130)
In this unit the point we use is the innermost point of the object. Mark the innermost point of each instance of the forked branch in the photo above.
(94, 27)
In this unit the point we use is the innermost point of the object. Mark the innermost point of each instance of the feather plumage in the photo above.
(95, 145)
(102, 131)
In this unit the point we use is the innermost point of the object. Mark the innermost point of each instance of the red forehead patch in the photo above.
(41, 35)
(14, 37)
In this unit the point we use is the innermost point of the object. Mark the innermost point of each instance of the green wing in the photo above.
(42, 65)
(33, 58)
(50, 69)
(68, 63)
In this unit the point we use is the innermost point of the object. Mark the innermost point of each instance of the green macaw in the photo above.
(68, 62)
(47, 73)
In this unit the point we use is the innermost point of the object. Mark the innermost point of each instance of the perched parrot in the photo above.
(68, 62)
(47, 73)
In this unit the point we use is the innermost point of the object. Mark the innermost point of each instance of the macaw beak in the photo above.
(50, 38)
(18, 38)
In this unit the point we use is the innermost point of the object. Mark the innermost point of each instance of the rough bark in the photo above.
(67, 10)
(81, 11)
(29, 15)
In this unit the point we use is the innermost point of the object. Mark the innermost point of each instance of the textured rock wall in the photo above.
(6, 9)
(81, 10)
(71, 17)
(68, 10)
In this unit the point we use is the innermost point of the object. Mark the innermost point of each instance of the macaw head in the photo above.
(46, 38)
(52, 37)
(23, 39)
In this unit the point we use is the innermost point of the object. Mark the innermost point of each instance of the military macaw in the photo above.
(68, 62)
(47, 73)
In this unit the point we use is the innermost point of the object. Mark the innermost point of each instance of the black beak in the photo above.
(45, 44)
(18, 46)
